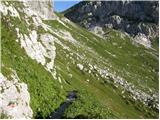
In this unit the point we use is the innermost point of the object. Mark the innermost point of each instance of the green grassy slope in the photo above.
(44, 90)
(98, 97)
(138, 72)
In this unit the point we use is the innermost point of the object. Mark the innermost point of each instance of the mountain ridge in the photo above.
(42, 59)
(137, 18)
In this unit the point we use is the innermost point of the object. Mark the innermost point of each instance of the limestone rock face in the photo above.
(15, 98)
(133, 17)
(42, 7)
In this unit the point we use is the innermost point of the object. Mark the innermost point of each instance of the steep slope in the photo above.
(19, 48)
(114, 76)
(137, 18)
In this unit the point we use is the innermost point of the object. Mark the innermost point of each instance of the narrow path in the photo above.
(72, 95)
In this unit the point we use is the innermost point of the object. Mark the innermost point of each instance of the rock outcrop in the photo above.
(133, 17)
(15, 98)
(42, 8)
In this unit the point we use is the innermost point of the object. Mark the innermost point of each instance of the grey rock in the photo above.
(133, 17)
(43, 8)
(142, 39)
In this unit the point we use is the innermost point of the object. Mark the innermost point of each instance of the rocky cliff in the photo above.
(137, 18)
(43, 8)
(42, 59)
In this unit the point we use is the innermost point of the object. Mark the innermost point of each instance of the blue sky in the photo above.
(61, 5)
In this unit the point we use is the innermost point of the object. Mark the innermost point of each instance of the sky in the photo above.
(61, 5)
